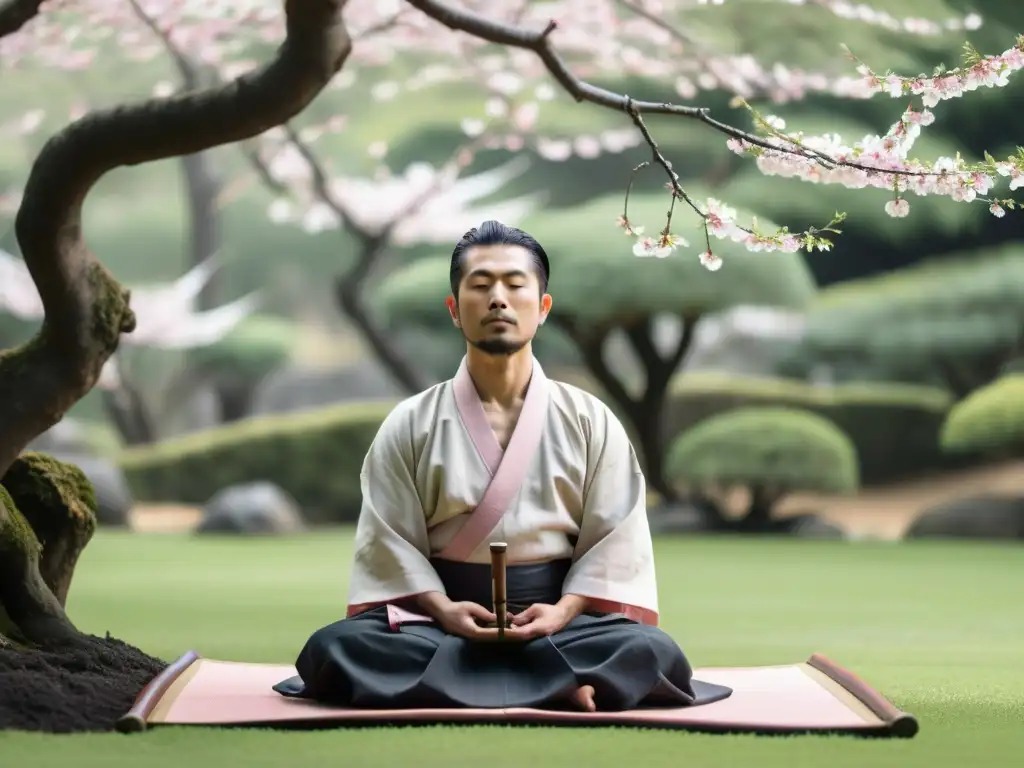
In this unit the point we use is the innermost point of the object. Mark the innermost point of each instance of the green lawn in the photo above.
(938, 629)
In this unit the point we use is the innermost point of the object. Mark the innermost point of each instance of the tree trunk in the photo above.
(202, 192)
(204, 189)
(235, 401)
(14, 14)
(58, 502)
(644, 414)
(86, 309)
(349, 289)
(47, 516)
(30, 609)
(202, 186)
(131, 415)
(758, 518)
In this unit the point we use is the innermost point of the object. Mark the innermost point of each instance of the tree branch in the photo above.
(86, 308)
(349, 286)
(14, 14)
(189, 72)
(511, 35)
(679, 35)
(538, 42)
(370, 244)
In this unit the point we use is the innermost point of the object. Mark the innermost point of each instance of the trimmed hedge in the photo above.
(314, 455)
(894, 427)
(963, 311)
(989, 420)
(786, 448)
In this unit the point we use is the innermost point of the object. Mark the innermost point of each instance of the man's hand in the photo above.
(539, 620)
(459, 618)
(543, 620)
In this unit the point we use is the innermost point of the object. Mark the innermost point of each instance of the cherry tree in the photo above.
(607, 39)
(86, 310)
(514, 45)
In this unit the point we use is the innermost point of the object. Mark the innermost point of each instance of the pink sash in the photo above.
(507, 468)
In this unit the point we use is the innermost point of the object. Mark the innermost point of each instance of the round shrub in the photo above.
(989, 420)
(783, 448)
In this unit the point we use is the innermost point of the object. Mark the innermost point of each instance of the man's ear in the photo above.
(545, 307)
(453, 310)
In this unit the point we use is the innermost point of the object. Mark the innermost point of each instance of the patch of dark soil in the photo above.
(74, 688)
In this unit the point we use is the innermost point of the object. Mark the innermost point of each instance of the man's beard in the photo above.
(499, 347)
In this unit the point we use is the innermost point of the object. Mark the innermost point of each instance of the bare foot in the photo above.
(584, 698)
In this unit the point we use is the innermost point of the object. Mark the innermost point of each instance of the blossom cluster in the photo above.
(881, 162)
(597, 39)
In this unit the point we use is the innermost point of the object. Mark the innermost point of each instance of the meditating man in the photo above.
(500, 453)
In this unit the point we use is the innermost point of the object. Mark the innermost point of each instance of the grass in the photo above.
(936, 628)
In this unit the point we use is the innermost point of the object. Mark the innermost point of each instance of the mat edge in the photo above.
(135, 720)
(897, 721)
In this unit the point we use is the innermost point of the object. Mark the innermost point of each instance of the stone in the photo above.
(811, 526)
(687, 516)
(66, 436)
(975, 517)
(259, 508)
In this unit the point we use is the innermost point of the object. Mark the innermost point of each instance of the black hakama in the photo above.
(362, 662)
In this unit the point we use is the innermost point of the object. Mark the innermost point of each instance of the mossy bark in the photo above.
(58, 502)
(29, 605)
(41, 380)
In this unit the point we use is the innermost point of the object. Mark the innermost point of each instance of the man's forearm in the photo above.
(573, 605)
(432, 602)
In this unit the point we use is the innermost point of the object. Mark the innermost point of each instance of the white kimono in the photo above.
(575, 490)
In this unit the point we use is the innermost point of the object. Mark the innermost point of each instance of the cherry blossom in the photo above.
(373, 204)
(594, 39)
(883, 162)
(165, 314)
(875, 161)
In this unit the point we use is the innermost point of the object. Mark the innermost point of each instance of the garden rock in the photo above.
(252, 509)
(978, 517)
(683, 517)
(66, 436)
(810, 526)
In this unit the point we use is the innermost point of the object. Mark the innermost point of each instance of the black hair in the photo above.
(495, 233)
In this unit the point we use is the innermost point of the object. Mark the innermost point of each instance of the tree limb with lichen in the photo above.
(87, 310)
(47, 508)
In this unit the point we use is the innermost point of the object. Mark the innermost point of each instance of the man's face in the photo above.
(500, 303)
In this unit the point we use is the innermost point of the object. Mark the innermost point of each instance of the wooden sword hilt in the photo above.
(499, 587)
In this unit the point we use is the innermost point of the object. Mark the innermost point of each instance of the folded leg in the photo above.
(630, 665)
(362, 662)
